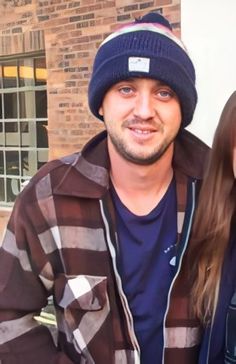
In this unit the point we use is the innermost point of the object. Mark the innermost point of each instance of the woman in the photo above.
(213, 253)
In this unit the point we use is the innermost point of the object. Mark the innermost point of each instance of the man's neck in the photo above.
(141, 187)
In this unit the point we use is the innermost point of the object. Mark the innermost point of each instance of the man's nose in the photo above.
(144, 107)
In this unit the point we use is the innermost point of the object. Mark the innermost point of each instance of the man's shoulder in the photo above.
(52, 171)
(56, 166)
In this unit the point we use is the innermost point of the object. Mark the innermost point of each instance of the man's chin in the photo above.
(142, 160)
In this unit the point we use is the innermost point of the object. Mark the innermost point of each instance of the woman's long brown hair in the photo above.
(213, 219)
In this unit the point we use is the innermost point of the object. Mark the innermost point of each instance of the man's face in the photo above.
(142, 117)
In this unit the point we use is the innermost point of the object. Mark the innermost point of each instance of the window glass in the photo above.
(0, 106)
(40, 71)
(12, 162)
(28, 163)
(24, 134)
(41, 104)
(28, 133)
(2, 135)
(11, 134)
(2, 189)
(13, 189)
(42, 138)
(0, 76)
(23, 123)
(10, 105)
(27, 104)
(9, 74)
(1, 162)
(25, 163)
(42, 157)
(26, 72)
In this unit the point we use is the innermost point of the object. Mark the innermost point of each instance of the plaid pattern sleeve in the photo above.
(55, 245)
(25, 284)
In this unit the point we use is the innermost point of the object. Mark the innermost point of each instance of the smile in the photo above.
(140, 131)
(141, 134)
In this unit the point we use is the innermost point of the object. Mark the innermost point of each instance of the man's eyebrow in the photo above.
(161, 83)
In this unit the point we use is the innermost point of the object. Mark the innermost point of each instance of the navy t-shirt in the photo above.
(145, 260)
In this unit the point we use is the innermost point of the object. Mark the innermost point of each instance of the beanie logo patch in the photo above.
(140, 64)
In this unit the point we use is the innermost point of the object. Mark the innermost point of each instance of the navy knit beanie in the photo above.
(145, 48)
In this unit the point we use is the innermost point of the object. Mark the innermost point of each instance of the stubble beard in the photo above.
(128, 154)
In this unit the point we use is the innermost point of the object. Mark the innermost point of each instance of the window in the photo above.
(23, 123)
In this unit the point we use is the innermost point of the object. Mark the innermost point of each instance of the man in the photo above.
(104, 231)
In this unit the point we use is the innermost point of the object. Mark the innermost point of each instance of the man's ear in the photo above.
(100, 110)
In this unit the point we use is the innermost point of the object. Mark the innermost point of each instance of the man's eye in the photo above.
(165, 94)
(125, 90)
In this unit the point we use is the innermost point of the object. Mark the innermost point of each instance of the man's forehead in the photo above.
(140, 79)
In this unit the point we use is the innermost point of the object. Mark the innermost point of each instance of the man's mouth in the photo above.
(140, 131)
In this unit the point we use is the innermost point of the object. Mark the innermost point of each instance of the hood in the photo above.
(86, 174)
(190, 154)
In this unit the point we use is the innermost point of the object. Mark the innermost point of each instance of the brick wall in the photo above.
(69, 31)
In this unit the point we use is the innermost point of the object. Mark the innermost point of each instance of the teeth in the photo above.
(142, 131)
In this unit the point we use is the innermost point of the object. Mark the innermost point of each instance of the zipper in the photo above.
(212, 324)
(179, 266)
(209, 343)
(210, 335)
(128, 314)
